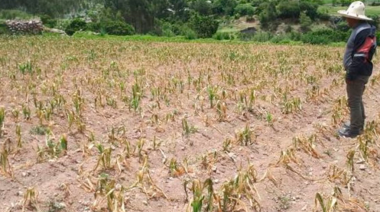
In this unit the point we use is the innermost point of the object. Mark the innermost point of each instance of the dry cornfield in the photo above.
(96, 125)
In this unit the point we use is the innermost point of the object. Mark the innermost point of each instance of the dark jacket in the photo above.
(360, 64)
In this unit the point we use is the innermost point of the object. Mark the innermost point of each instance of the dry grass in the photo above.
(133, 126)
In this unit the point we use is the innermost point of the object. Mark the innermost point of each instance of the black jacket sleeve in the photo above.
(359, 66)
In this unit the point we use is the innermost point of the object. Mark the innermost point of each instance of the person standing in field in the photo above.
(360, 49)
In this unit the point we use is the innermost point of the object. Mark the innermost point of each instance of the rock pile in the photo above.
(25, 27)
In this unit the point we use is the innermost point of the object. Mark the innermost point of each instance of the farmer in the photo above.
(360, 49)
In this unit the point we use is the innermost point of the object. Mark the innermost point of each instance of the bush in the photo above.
(167, 29)
(75, 25)
(250, 19)
(305, 21)
(244, 9)
(84, 34)
(62, 24)
(178, 28)
(262, 36)
(48, 21)
(204, 26)
(311, 39)
(245, 36)
(190, 34)
(323, 16)
(342, 26)
(118, 28)
(94, 27)
(282, 38)
(3, 29)
(325, 36)
(168, 33)
(376, 20)
(295, 36)
(224, 36)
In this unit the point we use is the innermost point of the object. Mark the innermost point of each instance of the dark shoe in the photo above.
(347, 125)
(348, 133)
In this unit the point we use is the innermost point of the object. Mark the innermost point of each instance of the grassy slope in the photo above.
(367, 1)
(370, 10)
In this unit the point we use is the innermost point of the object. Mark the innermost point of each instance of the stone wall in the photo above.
(25, 27)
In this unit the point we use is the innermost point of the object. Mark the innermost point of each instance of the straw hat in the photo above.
(355, 11)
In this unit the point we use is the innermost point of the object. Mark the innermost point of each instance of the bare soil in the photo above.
(154, 156)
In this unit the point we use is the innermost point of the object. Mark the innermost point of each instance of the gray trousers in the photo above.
(355, 90)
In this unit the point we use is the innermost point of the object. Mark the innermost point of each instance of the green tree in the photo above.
(310, 8)
(224, 7)
(305, 21)
(202, 7)
(204, 26)
(139, 13)
(288, 9)
(178, 10)
(267, 15)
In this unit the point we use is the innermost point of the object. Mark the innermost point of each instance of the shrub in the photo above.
(342, 26)
(245, 36)
(167, 29)
(178, 28)
(224, 36)
(287, 41)
(312, 39)
(83, 34)
(250, 19)
(262, 36)
(168, 33)
(376, 20)
(244, 9)
(75, 25)
(305, 21)
(189, 34)
(48, 21)
(118, 28)
(281, 38)
(325, 36)
(323, 16)
(3, 29)
(204, 26)
(62, 24)
(94, 26)
(295, 36)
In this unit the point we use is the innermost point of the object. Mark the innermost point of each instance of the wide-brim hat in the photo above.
(355, 11)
